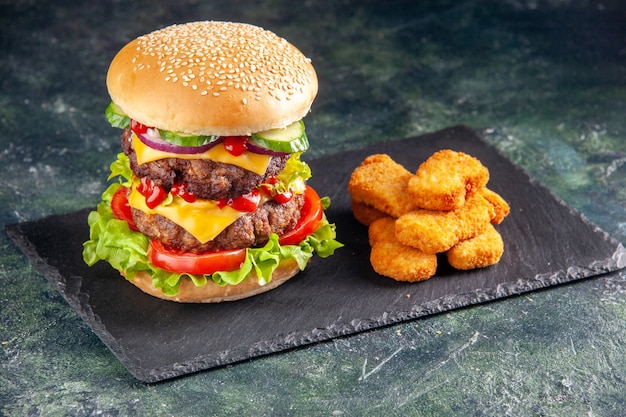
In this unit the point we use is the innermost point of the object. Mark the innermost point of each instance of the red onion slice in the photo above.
(156, 142)
(252, 147)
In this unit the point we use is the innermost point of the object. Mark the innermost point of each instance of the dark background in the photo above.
(543, 81)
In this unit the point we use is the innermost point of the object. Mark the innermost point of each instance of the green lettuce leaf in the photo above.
(116, 116)
(293, 170)
(120, 168)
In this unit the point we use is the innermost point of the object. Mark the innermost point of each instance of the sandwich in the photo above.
(211, 201)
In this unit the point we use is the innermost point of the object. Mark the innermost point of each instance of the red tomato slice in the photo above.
(121, 209)
(310, 218)
(195, 263)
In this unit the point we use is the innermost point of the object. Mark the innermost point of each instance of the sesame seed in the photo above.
(250, 58)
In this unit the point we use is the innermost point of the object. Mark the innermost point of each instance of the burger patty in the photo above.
(251, 229)
(206, 179)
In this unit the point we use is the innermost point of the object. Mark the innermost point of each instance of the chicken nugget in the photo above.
(474, 217)
(500, 206)
(434, 231)
(429, 231)
(377, 158)
(401, 262)
(366, 214)
(443, 181)
(381, 183)
(478, 252)
(382, 230)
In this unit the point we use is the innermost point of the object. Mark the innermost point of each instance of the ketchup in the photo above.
(236, 145)
(153, 193)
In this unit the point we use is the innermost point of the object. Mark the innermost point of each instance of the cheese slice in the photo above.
(250, 161)
(202, 218)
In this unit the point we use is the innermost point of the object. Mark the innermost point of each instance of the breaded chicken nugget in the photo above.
(382, 184)
(474, 217)
(433, 231)
(443, 181)
(366, 214)
(500, 206)
(429, 231)
(382, 230)
(401, 262)
(478, 252)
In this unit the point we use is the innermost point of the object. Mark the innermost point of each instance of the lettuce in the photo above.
(111, 240)
(116, 116)
(293, 171)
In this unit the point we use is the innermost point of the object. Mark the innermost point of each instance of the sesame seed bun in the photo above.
(212, 78)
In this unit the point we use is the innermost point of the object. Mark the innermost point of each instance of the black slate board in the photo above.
(546, 243)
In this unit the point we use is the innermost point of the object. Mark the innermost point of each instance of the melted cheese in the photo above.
(202, 218)
(251, 161)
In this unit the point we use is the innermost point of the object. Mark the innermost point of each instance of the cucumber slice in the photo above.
(290, 139)
(183, 139)
(117, 118)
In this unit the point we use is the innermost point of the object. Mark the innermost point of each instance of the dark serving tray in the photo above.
(546, 243)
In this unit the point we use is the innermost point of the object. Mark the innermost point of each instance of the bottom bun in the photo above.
(211, 292)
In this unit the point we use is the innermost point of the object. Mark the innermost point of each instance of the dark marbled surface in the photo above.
(544, 81)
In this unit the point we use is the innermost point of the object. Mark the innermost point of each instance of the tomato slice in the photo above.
(310, 218)
(121, 209)
(195, 263)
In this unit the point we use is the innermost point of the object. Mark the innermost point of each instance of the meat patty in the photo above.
(206, 179)
(252, 229)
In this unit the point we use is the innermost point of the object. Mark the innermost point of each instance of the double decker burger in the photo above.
(211, 202)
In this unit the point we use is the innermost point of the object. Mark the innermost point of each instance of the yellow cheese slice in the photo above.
(251, 161)
(202, 218)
